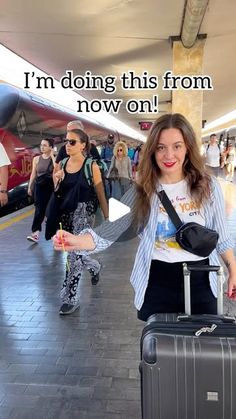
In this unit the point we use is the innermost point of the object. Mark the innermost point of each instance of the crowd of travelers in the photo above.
(171, 166)
(68, 190)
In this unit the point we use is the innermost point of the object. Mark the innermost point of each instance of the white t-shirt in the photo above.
(165, 247)
(4, 160)
(213, 156)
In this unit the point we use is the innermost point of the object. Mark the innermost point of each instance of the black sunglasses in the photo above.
(120, 149)
(71, 142)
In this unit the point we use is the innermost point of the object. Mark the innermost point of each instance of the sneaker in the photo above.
(33, 238)
(68, 308)
(95, 278)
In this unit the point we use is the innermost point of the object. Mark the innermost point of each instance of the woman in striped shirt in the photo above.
(171, 162)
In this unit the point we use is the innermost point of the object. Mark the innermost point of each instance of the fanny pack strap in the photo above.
(170, 209)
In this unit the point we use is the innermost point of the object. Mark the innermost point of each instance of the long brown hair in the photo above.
(149, 173)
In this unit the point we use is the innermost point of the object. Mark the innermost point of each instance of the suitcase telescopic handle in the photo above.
(187, 269)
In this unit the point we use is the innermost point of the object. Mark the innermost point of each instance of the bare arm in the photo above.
(56, 168)
(130, 168)
(229, 259)
(33, 174)
(3, 185)
(58, 175)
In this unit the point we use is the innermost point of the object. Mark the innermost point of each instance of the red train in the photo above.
(24, 120)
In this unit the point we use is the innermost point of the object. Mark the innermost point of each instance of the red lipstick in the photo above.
(169, 164)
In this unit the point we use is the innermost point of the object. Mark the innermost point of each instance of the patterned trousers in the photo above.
(81, 218)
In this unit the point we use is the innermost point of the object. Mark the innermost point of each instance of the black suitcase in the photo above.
(188, 363)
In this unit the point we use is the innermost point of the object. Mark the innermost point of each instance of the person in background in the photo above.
(122, 164)
(4, 163)
(107, 150)
(230, 160)
(79, 213)
(62, 154)
(93, 150)
(222, 154)
(137, 157)
(171, 162)
(41, 185)
(106, 156)
(213, 155)
(131, 153)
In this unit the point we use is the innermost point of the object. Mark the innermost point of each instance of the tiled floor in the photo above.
(80, 366)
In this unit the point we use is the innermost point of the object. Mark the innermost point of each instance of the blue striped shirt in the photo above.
(107, 233)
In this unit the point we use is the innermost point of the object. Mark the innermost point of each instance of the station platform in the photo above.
(84, 365)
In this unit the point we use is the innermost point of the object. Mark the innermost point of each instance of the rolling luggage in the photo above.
(188, 363)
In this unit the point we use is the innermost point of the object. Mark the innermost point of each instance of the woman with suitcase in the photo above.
(171, 162)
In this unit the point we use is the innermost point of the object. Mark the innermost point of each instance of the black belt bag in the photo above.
(193, 237)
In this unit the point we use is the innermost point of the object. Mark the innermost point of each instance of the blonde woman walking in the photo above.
(121, 166)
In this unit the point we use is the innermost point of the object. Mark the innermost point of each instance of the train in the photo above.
(25, 119)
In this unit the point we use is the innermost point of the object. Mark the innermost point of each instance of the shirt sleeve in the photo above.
(108, 232)
(218, 215)
(129, 168)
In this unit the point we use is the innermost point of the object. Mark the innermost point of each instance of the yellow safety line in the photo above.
(15, 219)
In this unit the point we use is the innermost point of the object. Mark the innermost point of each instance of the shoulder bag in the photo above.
(193, 237)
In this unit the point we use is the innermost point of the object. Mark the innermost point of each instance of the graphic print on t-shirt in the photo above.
(165, 235)
(188, 211)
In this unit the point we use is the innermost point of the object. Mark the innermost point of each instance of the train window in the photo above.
(21, 125)
(36, 99)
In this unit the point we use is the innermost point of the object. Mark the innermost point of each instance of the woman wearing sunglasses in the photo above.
(78, 212)
(120, 171)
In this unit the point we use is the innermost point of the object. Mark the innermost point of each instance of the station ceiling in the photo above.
(112, 37)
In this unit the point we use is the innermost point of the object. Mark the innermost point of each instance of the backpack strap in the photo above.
(63, 162)
(88, 170)
(209, 146)
(102, 166)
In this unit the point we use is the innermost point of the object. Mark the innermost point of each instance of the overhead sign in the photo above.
(145, 126)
